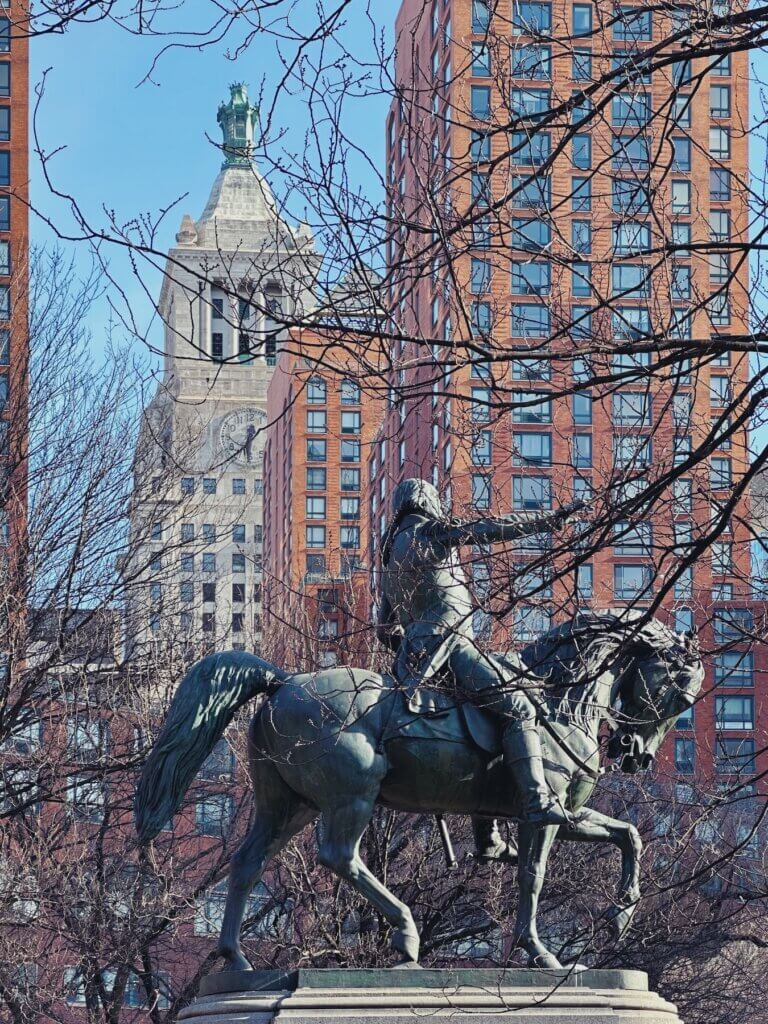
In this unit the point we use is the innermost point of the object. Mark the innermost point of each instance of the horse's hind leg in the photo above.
(535, 843)
(279, 816)
(342, 829)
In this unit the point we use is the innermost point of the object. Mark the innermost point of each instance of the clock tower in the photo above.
(235, 281)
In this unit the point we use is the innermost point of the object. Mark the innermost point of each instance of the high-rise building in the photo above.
(14, 278)
(236, 274)
(578, 183)
(322, 416)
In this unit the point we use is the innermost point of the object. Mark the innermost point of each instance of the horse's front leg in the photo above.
(535, 842)
(593, 827)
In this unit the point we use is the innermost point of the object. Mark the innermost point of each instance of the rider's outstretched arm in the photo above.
(492, 530)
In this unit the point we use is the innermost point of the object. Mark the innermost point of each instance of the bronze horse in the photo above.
(335, 743)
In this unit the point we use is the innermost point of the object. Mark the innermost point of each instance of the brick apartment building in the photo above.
(322, 416)
(558, 256)
(14, 274)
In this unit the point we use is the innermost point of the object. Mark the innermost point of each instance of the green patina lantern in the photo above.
(238, 121)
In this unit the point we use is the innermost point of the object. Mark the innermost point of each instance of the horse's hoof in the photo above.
(235, 961)
(408, 965)
(619, 920)
(501, 853)
(545, 962)
(407, 943)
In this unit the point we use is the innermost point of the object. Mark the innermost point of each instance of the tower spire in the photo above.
(237, 120)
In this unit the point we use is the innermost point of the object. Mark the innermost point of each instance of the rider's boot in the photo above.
(490, 847)
(522, 756)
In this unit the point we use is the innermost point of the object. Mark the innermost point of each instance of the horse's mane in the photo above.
(569, 656)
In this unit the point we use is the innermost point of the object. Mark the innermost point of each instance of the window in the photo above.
(634, 24)
(187, 485)
(480, 147)
(349, 537)
(209, 533)
(531, 449)
(5, 212)
(481, 16)
(531, 17)
(719, 101)
(581, 276)
(316, 479)
(631, 153)
(584, 581)
(581, 195)
(530, 149)
(531, 407)
(531, 493)
(531, 61)
(680, 287)
(5, 257)
(720, 143)
(86, 795)
(350, 479)
(631, 108)
(238, 486)
(187, 532)
(531, 235)
(720, 478)
(482, 453)
(350, 508)
(581, 237)
(187, 563)
(5, 167)
(186, 592)
(631, 582)
(350, 451)
(582, 108)
(480, 275)
(632, 538)
(316, 565)
(681, 197)
(5, 124)
(582, 19)
(632, 409)
(316, 391)
(719, 225)
(632, 450)
(685, 754)
(481, 60)
(684, 622)
(721, 68)
(680, 236)
(581, 151)
(530, 103)
(317, 421)
(682, 73)
(316, 450)
(719, 392)
(736, 713)
(315, 508)
(481, 102)
(631, 280)
(732, 625)
(350, 392)
(209, 485)
(532, 278)
(582, 408)
(238, 593)
(481, 319)
(481, 491)
(681, 153)
(631, 323)
(480, 408)
(734, 668)
(722, 558)
(630, 196)
(681, 111)
(532, 369)
(5, 78)
(213, 814)
(350, 422)
(530, 321)
(315, 536)
(582, 451)
(734, 755)
(719, 185)
(581, 66)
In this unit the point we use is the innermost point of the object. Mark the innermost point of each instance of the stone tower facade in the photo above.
(237, 277)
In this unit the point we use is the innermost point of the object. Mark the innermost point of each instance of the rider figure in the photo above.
(426, 618)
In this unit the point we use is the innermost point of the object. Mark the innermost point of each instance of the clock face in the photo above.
(241, 435)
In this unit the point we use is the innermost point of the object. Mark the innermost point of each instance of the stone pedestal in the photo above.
(392, 996)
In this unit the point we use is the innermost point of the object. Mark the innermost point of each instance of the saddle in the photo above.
(435, 713)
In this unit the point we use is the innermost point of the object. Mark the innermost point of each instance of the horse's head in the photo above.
(661, 677)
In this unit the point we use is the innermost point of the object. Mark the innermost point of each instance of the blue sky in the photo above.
(136, 146)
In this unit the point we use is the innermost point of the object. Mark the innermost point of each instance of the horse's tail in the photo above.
(203, 706)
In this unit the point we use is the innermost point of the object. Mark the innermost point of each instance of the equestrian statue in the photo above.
(450, 730)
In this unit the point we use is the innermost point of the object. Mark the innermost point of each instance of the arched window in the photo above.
(350, 392)
(316, 391)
